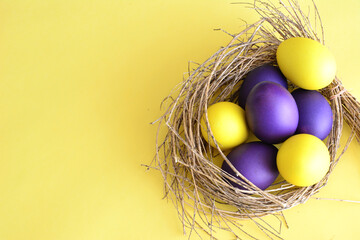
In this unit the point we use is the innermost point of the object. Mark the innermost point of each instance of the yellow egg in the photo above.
(306, 63)
(303, 160)
(227, 123)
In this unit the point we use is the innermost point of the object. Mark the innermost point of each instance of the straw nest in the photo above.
(197, 186)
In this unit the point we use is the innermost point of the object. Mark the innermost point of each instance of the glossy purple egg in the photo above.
(256, 161)
(263, 73)
(315, 115)
(271, 112)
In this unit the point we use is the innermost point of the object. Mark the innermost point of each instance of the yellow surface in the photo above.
(227, 123)
(80, 81)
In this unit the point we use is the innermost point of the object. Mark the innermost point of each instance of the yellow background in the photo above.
(80, 81)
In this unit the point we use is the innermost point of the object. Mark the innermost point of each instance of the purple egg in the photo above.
(263, 73)
(271, 112)
(256, 161)
(315, 115)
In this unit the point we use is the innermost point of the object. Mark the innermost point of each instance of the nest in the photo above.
(198, 187)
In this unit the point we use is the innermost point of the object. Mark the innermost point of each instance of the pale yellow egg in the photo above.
(227, 123)
(306, 63)
(303, 160)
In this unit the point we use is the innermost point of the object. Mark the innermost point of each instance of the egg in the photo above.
(271, 112)
(227, 123)
(303, 160)
(306, 63)
(263, 73)
(315, 115)
(256, 161)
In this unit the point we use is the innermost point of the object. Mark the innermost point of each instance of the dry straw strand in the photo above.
(197, 187)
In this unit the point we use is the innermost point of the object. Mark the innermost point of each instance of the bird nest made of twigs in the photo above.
(193, 180)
